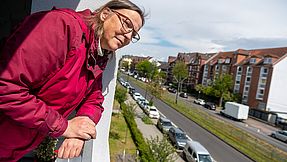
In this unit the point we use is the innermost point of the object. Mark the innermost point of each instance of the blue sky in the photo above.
(209, 26)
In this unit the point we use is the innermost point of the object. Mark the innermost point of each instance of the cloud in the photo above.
(209, 26)
(251, 43)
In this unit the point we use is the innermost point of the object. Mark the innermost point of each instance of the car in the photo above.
(153, 112)
(210, 105)
(164, 124)
(177, 137)
(194, 151)
(132, 91)
(183, 95)
(136, 96)
(171, 90)
(199, 101)
(281, 135)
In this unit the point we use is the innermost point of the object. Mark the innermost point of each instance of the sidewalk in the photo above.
(148, 131)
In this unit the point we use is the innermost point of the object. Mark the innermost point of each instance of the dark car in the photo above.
(210, 105)
(172, 90)
(177, 137)
(183, 95)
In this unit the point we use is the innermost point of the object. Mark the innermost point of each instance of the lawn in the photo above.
(120, 138)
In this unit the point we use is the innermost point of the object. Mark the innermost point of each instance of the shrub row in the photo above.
(137, 136)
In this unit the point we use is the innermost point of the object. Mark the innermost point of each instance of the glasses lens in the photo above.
(128, 26)
(135, 37)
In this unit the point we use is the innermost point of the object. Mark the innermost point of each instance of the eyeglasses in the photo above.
(127, 26)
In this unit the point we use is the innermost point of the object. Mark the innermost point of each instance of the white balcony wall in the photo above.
(278, 88)
(95, 150)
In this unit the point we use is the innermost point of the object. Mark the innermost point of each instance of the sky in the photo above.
(208, 26)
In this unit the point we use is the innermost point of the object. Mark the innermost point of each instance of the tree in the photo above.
(146, 69)
(222, 86)
(125, 65)
(161, 150)
(155, 90)
(180, 73)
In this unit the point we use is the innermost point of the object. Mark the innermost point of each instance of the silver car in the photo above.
(281, 135)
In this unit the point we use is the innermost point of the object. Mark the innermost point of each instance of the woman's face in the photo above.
(119, 27)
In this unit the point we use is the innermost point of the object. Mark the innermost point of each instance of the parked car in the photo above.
(177, 137)
(199, 101)
(281, 135)
(136, 96)
(193, 151)
(171, 90)
(153, 112)
(132, 91)
(183, 95)
(164, 124)
(210, 105)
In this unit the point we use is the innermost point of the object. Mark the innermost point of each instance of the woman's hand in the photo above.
(81, 127)
(70, 148)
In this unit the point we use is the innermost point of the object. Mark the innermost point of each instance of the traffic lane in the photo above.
(220, 151)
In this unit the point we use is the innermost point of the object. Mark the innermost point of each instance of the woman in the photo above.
(52, 65)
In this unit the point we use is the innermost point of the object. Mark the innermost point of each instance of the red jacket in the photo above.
(45, 74)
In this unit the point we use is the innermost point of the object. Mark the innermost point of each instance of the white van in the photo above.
(193, 151)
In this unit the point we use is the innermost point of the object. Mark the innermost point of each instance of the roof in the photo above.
(171, 59)
(178, 130)
(165, 119)
(197, 147)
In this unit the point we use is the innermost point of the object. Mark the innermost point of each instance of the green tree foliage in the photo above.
(162, 150)
(180, 73)
(121, 94)
(147, 69)
(222, 86)
(125, 65)
(155, 90)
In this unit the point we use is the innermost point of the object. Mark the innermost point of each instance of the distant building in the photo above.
(259, 76)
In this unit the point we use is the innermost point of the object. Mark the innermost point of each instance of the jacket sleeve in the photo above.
(92, 106)
(37, 48)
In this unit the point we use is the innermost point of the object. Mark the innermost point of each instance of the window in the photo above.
(263, 81)
(224, 68)
(194, 155)
(227, 61)
(239, 69)
(220, 61)
(252, 60)
(248, 79)
(190, 150)
(267, 60)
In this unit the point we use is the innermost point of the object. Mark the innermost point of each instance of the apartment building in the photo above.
(259, 76)
(217, 64)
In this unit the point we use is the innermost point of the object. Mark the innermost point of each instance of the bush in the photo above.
(137, 136)
(121, 94)
(146, 120)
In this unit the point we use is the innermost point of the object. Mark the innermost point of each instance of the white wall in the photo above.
(277, 99)
(95, 150)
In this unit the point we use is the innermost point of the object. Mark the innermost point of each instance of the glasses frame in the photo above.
(135, 35)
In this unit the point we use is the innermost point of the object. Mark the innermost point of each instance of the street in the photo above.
(218, 149)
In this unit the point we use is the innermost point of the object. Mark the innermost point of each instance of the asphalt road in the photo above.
(219, 150)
